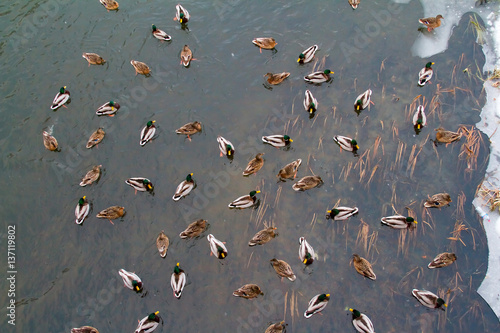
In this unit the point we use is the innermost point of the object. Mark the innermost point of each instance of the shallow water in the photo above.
(76, 267)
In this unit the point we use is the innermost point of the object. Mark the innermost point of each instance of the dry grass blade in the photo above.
(363, 235)
(477, 29)
(457, 231)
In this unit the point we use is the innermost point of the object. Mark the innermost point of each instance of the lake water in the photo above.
(68, 274)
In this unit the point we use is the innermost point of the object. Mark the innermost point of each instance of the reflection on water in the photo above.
(76, 267)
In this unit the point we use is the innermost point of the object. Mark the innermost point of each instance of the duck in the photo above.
(278, 140)
(445, 136)
(276, 328)
(425, 74)
(91, 176)
(318, 77)
(346, 143)
(244, 201)
(50, 142)
(181, 14)
(110, 4)
(217, 247)
(428, 299)
(189, 129)
(131, 280)
(442, 260)
(316, 304)
(61, 98)
(111, 213)
(254, 165)
(160, 34)
(184, 188)
(341, 213)
(248, 291)
(178, 281)
(310, 103)
(194, 229)
(399, 221)
(162, 243)
(276, 78)
(149, 323)
(290, 170)
(140, 184)
(148, 132)
(95, 138)
(283, 269)
(263, 236)
(93, 58)
(307, 55)
(437, 200)
(108, 109)
(354, 3)
(419, 118)
(307, 183)
(140, 67)
(225, 147)
(431, 22)
(363, 267)
(361, 322)
(267, 43)
(84, 329)
(82, 210)
(306, 252)
(186, 56)
(363, 101)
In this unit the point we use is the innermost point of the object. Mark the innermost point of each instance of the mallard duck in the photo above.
(140, 67)
(267, 43)
(346, 143)
(162, 243)
(316, 304)
(61, 98)
(140, 184)
(425, 74)
(178, 281)
(50, 142)
(310, 103)
(111, 213)
(437, 200)
(93, 58)
(82, 210)
(399, 221)
(160, 34)
(307, 55)
(363, 101)
(181, 14)
(283, 269)
(194, 229)
(149, 324)
(306, 251)
(361, 322)
(290, 170)
(442, 260)
(131, 280)
(245, 201)
(419, 118)
(95, 138)
(276, 78)
(184, 188)
(341, 213)
(431, 22)
(217, 247)
(84, 329)
(189, 129)
(276, 328)
(263, 236)
(109, 4)
(447, 136)
(428, 299)
(277, 141)
(307, 183)
(354, 3)
(248, 291)
(363, 267)
(225, 147)
(148, 132)
(186, 56)
(91, 176)
(254, 165)
(108, 109)
(318, 77)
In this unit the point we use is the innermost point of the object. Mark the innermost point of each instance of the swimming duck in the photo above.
(447, 136)
(109, 4)
(82, 210)
(263, 236)
(431, 22)
(363, 101)
(186, 56)
(277, 141)
(93, 58)
(354, 3)
(341, 213)
(318, 77)
(248, 291)
(276, 78)
(160, 34)
(363, 267)
(290, 170)
(91, 176)
(178, 281)
(254, 165)
(316, 304)
(267, 43)
(310, 103)
(61, 98)
(111, 213)
(108, 109)
(346, 143)
(307, 55)
(189, 129)
(283, 269)
(140, 184)
(84, 329)
(425, 74)
(245, 201)
(149, 324)
(184, 188)
(419, 118)
(50, 142)
(437, 200)
(399, 221)
(162, 243)
(428, 299)
(276, 328)
(181, 14)
(225, 147)
(194, 229)
(131, 280)
(148, 132)
(140, 67)
(95, 138)
(307, 183)
(217, 247)
(306, 251)
(361, 322)
(442, 260)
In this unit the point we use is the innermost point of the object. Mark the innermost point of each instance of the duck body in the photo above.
(431, 22)
(194, 229)
(50, 142)
(217, 247)
(276, 328)
(140, 184)
(263, 236)
(184, 188)
(277, 141)
(84, 329)
(307, 183)
(307, 55)
(178, 281)
(108, 109)
(267, 43)
(346, 143)
(316, 304)
(290, 170)
(283, 269)
(310, 103)
(82, 210)
(254, 165)
(225, 147)
(248, 291)
(363, 267)
(361, 322)
(93, 58)
(181, 14)
(363, 100)
(147, 132)
(318, 77)
(110, 4)
(131, 280)
(149, 323)
(189, 128)
(91, 176)
(442, 260)
(61, 98)
(399, 221)
(95, 138)
(162, 243)
(140, 67)
(428, 299)
(111, 213)
(425, 74)
(160, 34)
(245, 201)
(419, 118)
(306, 251)
(276, 78)
(438, 200)
(341, 213)
(445, 136)
(186, 56)
(354, 3)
